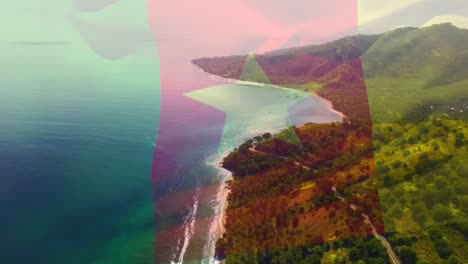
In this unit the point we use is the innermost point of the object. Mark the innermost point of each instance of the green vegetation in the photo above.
(412, 73)
(428, 187)
(420, 175)
(277, 207)
(407, 169)
(409, 73)
(355, 250)
(421, 168)
(243, 162)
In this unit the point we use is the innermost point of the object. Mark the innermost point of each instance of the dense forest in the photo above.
(287, 194)
(394, 171)
(399, 75)
(336, 66)
(307, 201)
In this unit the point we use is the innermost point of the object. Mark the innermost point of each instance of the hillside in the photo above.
(330, 65)
(282, 195)
(347, 192)
(412, 72)
(329, 196)
(400, 72)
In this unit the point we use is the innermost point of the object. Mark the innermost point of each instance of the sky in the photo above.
(120, 21)
(379, 16)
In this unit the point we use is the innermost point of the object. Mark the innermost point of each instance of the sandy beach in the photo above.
(217, 228)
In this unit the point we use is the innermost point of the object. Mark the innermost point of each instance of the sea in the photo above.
(78, 134)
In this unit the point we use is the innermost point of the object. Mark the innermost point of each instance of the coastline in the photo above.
(222, 193)
(235, 81)
(217, 228)
(220, 217)
(330, 105)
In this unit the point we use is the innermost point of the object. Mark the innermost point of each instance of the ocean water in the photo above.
(77, 135)
(79, 124)
(250, 110)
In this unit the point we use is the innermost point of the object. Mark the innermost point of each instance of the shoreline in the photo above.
(220, 217)
(219, 220)
(330, 105)
(235, 81)
(223, 192)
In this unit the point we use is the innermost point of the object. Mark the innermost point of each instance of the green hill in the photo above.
(407, 73)
(412, 72)
(406, 172)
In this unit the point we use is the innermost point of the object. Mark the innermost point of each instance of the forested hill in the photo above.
(409, 61)
(329, 66)
(411, 73)
(330, 193)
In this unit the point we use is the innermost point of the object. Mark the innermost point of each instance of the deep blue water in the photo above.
(77, 135)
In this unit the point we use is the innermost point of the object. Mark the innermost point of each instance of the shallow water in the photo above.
(77, 145)
(78, 129)
(77, 135)
(250, 110)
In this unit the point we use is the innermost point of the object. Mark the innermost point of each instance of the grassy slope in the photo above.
(409, 74)
(409, 70)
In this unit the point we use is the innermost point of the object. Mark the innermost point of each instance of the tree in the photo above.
(403, 240)
(453, 260)
(429, 198)
(388, 181)
(463, 228)
(266, 136)
(383, 169)
(459, 139)
(312, 259)
(375, 249)
(418, 211)
(355, 254)
(286, 256)
(443, 249)
(396, 211)
(220, 249)
(435, 234)
(441, 213)
(406, 152)
(440, 182)
(461, 187)
(462, 170)
(407, 254)
(396, 164)
(463, 203)
(375, 261)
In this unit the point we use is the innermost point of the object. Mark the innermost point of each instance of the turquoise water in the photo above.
(79, 113)
(250, 110)
(79, 109)
(77, 138)
(77, 135)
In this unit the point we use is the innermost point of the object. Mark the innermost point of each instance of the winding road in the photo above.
(295, 163)
(391, 253)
